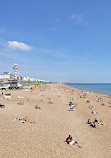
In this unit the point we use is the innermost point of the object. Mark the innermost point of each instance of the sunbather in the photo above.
(93, 125)
(100, 123)
(94, 112)
(2, 106)
(26, 119)
(88, 101)
(37, 107)
(71, 109)
(95, 121)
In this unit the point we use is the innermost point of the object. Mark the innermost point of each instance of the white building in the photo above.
(28, 79)
(25, 78)
(6, 75)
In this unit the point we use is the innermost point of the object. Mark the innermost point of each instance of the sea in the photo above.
(95, 87)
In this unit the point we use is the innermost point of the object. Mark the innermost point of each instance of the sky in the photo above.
(57, 40)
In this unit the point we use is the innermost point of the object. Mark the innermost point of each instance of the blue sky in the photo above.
(57, 40)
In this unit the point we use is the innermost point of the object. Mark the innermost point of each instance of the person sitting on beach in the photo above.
(20, 103)
(88, 122)
(1, 93)
(71, 142)
(69, 139)
(70, 103)
(37, 107)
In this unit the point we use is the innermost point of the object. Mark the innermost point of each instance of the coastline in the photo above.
(53, 123)
(89, 90)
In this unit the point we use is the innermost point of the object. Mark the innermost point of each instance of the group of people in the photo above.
(83, 96)
(95, 123)
(92, 107)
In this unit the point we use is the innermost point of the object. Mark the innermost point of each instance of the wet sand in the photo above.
(53, 123)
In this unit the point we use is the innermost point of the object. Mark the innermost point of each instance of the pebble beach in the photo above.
(45, 136)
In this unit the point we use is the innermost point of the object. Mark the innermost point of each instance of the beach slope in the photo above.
(45, 136)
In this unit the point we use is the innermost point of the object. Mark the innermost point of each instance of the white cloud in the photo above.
(79, 19)
(73, 17)
(18, 45)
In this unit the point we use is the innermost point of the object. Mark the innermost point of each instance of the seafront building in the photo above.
(8, 80)
(7, 76)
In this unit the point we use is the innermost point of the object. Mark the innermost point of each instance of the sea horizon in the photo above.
(85, 83)
(95, 87)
